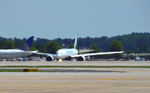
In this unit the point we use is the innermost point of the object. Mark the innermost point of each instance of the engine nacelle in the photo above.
(49, 58)
(81, 58)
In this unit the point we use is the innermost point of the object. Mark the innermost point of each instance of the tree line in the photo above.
(134, 42)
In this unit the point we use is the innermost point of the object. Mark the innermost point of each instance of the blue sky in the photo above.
(64, 18)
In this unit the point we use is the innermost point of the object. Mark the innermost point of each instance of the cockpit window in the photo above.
(59, 52)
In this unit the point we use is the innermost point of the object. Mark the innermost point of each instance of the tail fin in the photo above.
(27, 44)
(75, 42)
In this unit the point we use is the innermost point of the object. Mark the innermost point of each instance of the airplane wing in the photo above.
(45, 54)
(99, 53)
(49, 57)
(85, 51)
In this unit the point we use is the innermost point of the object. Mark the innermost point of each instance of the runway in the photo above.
(132, 80)
(35, 82)
(75, 63)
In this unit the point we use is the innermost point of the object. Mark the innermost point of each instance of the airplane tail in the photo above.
(75, 43)
(26, 46)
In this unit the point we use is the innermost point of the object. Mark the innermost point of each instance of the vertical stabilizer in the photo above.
(75, 42)
(27, 44)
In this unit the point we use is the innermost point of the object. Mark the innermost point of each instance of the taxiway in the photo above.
(132, 80)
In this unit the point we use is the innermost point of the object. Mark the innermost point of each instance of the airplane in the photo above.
(16, 53)
(73, 54)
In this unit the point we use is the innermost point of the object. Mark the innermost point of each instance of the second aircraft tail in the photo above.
(27, 44)
(75, 42)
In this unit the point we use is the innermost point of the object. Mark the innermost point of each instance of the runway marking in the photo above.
(115, 79)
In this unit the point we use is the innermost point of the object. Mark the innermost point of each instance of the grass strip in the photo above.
(74, 66)
(10, 70)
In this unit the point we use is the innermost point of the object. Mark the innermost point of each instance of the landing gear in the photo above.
(73, 59)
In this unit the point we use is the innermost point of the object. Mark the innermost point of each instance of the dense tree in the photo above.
(41, 47)
(143, 47)
(52, 47)
(95, 48)
(116, 46)
(33, 47)
(9, 44)
(134, 42)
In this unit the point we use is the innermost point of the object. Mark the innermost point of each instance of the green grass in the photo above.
(32, 67)
(74, 66)
(6, 70)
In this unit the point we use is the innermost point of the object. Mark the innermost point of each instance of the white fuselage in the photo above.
(14, 53)
(64, 53)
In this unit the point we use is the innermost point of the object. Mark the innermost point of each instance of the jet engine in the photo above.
(81, 58)
(49, 58)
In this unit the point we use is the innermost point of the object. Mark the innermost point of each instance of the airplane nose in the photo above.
(58, 54)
